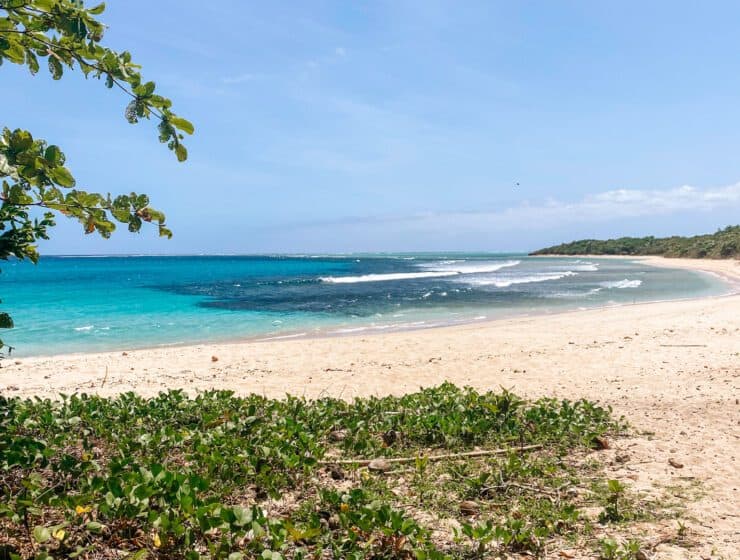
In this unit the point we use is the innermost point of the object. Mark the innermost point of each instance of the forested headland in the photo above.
(724, 244)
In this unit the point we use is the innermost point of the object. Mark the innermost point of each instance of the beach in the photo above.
(671, 368)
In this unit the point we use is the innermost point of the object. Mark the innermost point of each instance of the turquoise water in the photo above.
(81, 304)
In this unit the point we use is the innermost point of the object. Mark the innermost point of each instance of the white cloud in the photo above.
(601, 207)
(604, 207)
(635, 203)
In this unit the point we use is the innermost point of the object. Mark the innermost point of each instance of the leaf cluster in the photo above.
(33, 175)
(180, 477)
(68, 35)
(36, 184)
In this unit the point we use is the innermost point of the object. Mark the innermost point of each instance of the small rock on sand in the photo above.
(337, 435)
(379, 465)
(469, 507)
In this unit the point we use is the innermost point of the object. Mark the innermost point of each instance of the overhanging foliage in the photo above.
(36, 184)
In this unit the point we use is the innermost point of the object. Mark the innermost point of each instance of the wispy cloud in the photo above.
(601, 207)
(636, 203)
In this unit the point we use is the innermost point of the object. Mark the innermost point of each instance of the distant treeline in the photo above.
(725, 244)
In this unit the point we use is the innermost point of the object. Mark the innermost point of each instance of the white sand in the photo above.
(671, 368)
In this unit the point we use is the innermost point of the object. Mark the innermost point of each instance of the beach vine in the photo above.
(222, 476)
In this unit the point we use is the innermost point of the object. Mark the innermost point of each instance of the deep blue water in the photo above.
(78, 304)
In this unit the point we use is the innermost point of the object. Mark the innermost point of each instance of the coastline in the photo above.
(671, 368)
(724, 270)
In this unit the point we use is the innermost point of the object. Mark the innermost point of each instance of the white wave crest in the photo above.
(385, 277)
(85, 328)
(433, 270)
(577, 266)
(621, 284)
(482, 268)
(500, 282)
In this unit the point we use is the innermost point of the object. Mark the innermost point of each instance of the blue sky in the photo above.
(405, 125)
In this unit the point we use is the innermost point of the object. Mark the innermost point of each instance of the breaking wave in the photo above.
(433, 270)
(454, 266)
(385, 277)
(506, 282)
(621, 284)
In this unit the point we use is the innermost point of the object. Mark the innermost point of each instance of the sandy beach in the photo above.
(671, 368)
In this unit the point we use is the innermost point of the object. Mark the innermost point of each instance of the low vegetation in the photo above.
(725, 244)
(442, 473)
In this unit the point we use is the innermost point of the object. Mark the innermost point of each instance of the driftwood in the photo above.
(527, 487)
(483, 453)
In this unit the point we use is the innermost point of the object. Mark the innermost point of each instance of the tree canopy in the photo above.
(36, 184)
(724, 244)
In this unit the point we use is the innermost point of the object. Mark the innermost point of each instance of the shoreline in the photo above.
(721, 269)
(89, 364)
(726, 269)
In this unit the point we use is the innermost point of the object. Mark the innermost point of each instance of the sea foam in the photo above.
(385, 277)
(432, 270)
(471, 268)
(621, 284)
(588, 267)
(500, 282)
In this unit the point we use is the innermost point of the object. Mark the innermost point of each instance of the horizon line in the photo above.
(283, 254)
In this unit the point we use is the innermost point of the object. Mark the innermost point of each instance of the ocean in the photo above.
(83, 304)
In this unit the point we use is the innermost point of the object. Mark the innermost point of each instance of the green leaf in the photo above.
(181, 152)
(14, 52)
(183, 124)
(45, 5)
(41, 534)
(32, 61)
(94, 527)
(145, 90)
(61, 176)
(97, 10)
(55, 67)
(53, 155)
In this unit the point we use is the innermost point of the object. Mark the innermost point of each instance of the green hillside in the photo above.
(725, 244)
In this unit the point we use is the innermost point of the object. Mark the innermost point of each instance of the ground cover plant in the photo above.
(441, 473)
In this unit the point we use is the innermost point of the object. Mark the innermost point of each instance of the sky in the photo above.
(420, 125)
